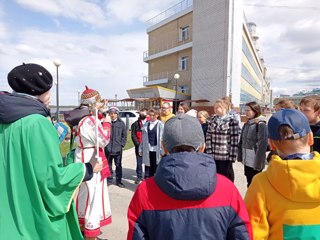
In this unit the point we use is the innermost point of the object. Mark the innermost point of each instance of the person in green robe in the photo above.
(36, 190)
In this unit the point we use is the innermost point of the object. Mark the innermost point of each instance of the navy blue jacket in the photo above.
(188, 200)
(118, 137)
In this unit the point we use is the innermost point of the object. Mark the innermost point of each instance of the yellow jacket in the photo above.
(167, 117)
(284, 201)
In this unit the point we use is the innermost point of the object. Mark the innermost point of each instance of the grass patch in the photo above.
(129, 143)
(65, 145)
(64, 148)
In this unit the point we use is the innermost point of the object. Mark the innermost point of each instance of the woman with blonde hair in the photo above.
(222, 139)
(203, 117)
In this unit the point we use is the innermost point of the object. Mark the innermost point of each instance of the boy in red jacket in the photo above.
(187, 199)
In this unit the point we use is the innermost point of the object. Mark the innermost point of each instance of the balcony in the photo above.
(179, 7)
(156, 79)
(169, 48)
(166, 77)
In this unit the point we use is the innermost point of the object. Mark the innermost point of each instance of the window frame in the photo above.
(183, 63)
(184, 33)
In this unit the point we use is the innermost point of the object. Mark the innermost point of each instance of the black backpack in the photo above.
(257, 131)
(74, 116)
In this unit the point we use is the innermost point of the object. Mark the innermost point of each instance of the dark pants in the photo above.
(225, 168)
(118, 162)
(249, 172)
(139, 166)
(150, 171)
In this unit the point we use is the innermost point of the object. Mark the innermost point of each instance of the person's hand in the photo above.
(96, 166)
(103, 106)
(140, 154)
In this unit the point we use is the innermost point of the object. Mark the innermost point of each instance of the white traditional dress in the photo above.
(92, 200)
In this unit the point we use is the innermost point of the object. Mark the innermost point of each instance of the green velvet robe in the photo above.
(36, 192)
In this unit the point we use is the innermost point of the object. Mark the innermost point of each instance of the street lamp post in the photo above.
(176, 77)
(57, 63)
(79, 92)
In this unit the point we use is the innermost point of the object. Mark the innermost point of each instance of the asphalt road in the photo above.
(120, 197)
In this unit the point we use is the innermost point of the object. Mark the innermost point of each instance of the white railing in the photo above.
(169, 45)
(157, 76)
(184, 76)
(170, 11)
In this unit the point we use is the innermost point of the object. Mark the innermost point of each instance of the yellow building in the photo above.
(212, 48)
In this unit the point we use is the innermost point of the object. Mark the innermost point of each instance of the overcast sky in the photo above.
(289, 41)
(101, 42)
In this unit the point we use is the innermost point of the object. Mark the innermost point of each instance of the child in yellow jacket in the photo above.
(284, 201)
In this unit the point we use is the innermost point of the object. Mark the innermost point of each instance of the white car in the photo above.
(132, 116)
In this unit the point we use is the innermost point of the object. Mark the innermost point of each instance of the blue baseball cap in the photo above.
(295, 119)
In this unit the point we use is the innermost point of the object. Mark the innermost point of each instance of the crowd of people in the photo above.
(185, 190)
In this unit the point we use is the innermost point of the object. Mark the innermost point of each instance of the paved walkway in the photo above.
(120, 197)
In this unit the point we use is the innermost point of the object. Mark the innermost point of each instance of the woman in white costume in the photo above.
(92, 200)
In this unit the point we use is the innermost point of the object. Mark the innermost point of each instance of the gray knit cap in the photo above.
(182, 130)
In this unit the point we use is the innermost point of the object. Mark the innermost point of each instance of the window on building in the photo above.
(183, 64)
(184, 33)
(184, 89)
